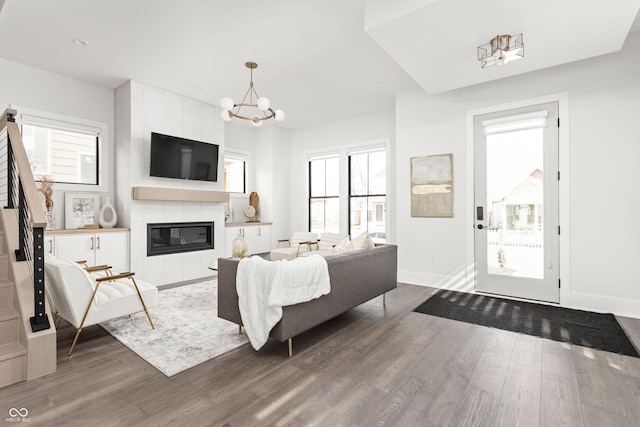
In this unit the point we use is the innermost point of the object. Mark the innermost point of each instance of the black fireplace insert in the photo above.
(176, 237)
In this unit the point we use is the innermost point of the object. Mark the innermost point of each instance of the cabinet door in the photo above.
(50, 245)
(76, 247)
(112, 249)
(264, 238)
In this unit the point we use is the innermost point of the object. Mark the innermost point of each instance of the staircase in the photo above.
(13, 356)
(27, 339)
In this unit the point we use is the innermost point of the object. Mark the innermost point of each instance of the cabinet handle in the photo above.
(51, 246)
(91, 244)
(259, 232)
(98, 238)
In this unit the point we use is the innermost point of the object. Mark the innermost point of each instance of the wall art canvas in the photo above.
(432, 186)
(81, 209)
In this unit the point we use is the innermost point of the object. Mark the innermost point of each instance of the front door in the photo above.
(516, 203)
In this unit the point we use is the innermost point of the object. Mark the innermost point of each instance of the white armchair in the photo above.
(300, 242)
(84, 299)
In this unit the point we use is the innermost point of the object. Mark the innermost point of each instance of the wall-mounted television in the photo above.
(174, 157)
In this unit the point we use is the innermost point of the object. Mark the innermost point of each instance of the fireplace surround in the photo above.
(177, 237)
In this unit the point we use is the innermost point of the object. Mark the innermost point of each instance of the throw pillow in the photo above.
(342, 247)
(363, 241)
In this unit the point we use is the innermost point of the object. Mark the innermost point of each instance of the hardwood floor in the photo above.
(370, 366)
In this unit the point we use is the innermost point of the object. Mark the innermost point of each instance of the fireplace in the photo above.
(176, 237)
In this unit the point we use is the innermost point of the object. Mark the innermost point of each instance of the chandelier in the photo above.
(501, 50)
(261, 107)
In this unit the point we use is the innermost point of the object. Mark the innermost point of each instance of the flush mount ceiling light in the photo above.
(501, 50)
(262, 107)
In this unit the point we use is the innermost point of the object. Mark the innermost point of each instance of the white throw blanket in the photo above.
(264, 287)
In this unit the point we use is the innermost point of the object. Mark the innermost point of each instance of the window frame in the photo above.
(311, 198)
(343, 151)
(45, 119)
(367, 196)
(237, 155)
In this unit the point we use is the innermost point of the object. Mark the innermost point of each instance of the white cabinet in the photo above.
(97, 248)
(257, 236)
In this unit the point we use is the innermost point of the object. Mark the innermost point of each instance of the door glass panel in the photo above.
(515, 204)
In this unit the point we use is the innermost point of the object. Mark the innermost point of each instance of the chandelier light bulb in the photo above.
(256, 121)
(225, 115)
(263, 104)
(279, 115)
(226, 103)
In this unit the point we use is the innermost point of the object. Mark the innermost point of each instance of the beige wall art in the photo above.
(432, 186)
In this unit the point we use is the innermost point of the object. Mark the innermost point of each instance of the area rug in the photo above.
(188, 331)
(584, 328)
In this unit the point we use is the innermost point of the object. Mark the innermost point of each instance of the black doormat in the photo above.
(584, 328)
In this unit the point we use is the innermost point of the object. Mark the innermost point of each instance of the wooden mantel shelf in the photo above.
(179, 194)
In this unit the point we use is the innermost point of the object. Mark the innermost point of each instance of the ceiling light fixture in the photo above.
(501, 50)
(80, 43)
(261, 104)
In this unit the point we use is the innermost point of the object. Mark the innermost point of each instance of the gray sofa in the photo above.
(356, 277)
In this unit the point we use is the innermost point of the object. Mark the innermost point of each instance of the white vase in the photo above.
(108, 216)
(239, 248)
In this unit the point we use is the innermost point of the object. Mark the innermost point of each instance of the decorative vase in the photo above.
(239, 248)
(108, 216)
(51, 220)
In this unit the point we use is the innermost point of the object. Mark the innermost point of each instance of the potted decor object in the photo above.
(46, 189)
(108, 216)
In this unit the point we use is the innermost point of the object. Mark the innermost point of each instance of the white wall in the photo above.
(604, 147)
(45, 91)
(269, 173)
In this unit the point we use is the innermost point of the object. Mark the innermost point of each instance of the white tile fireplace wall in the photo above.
(139, 110)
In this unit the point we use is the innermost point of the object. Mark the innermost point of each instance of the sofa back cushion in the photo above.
(329, 240)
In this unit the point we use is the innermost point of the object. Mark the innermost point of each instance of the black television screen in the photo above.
(174, 157)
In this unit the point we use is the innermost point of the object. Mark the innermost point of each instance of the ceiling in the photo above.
(318, 60)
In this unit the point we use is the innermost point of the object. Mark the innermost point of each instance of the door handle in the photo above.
(480, 227)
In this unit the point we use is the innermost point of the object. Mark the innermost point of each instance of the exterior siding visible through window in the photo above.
(64, 155)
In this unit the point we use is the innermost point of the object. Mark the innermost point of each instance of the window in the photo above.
(324, 195)
(68, 150)
(367, 194)
(64, 154)
(235, 173)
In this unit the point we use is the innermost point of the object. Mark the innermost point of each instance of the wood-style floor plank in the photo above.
(373, 365)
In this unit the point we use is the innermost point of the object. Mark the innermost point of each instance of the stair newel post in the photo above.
(10, 167)
(40, 320)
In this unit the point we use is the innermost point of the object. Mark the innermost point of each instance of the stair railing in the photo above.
(21, 193)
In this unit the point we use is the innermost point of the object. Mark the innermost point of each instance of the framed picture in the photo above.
(81, 209)
(432, 186)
